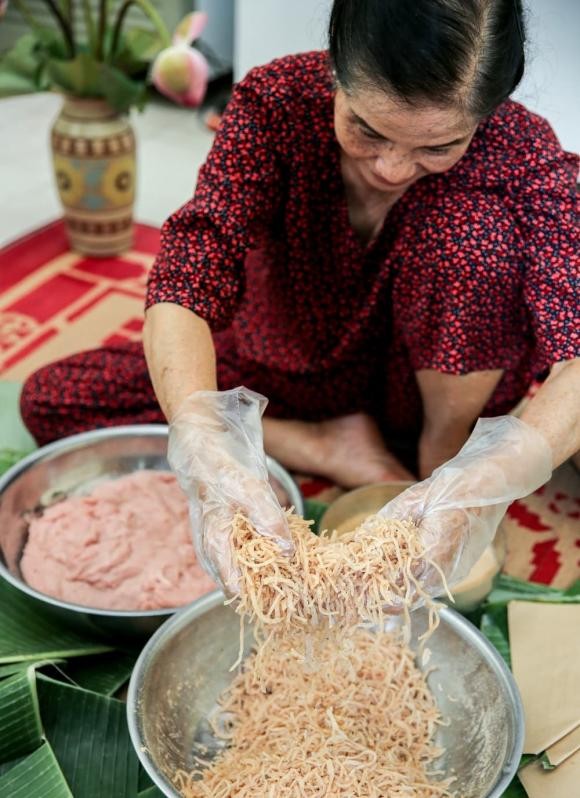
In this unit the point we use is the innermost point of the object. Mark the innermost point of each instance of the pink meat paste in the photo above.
(126, 546)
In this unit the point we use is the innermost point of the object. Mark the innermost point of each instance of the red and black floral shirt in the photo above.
(474, 269)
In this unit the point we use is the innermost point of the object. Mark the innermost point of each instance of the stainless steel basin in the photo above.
(73, 466)
(185, 666)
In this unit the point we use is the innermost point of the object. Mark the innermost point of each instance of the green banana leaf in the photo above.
(515, 790)
(36, 776)
(104, 674)
(545, 762)
(29, 633)
(89, 735)
(494, 626)
(20, 727)
(9, 457)
(508, 588)
(313, 511)
(20, 667)
(151, 792)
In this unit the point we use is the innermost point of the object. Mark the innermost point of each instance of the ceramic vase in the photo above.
(93, 150)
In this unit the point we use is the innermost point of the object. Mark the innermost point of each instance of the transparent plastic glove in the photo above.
(216, 451)
(458, 508)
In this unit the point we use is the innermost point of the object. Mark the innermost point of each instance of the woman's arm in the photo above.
(555, 410)
(180, 355)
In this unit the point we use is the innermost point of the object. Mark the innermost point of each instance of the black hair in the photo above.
(443, 51)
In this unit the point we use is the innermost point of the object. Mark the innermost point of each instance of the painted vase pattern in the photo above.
(93, 151)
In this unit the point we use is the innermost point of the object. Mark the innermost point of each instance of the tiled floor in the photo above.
(172, 144)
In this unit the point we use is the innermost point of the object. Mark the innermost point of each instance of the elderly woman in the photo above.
(383, 244)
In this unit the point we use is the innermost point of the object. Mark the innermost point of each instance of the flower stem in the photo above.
(65, 26)
(149, 12)
(103, 13)
(67, 10)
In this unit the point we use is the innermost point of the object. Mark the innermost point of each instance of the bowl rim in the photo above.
(186, 615)
(77, 441)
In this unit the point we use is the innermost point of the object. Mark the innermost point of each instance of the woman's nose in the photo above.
(394, 168)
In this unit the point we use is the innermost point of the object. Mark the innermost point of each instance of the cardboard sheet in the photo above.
(545, 651)
(563, 782)
(564, 748)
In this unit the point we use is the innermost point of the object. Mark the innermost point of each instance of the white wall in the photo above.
(265, 29)
(551, 86)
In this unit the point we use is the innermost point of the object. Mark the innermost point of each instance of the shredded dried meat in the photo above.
(359, 723)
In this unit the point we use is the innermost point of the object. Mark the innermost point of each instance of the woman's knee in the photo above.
(41, 403)
(97, 388)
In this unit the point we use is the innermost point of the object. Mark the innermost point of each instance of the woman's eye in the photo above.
(437, 150)
(369, 134)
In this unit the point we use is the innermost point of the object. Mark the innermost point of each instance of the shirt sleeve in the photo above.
(200, 265)
(547, 215)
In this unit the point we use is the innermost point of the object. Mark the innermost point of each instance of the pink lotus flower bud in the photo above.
(190, 28)
(4, 6)
(181, 73)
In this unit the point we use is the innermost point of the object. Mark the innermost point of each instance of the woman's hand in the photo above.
(458, 508)
(217, 453)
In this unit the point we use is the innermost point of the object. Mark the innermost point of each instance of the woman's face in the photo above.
(390, 145)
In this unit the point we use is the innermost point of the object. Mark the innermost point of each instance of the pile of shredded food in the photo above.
(363, 726)
(330, 582)
(359, 723)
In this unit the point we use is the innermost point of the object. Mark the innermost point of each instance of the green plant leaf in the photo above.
(137, 50)
(80, 76)
(20, 667)
(84, 76)
(89, 735)
(20, 728)
(104, 674)
(120, 91)
(23, 57)
(29, 633)
(10, 670)
(12, 85)
(21, 70)
(36, 776)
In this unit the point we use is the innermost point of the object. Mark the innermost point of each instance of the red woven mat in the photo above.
(54, 302)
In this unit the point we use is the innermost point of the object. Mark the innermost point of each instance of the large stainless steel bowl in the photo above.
(185, 666)
(73, 466)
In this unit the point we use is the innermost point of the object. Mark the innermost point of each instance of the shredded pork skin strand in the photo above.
(357, 720)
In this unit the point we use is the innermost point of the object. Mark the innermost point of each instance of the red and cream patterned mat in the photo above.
(54, 302)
